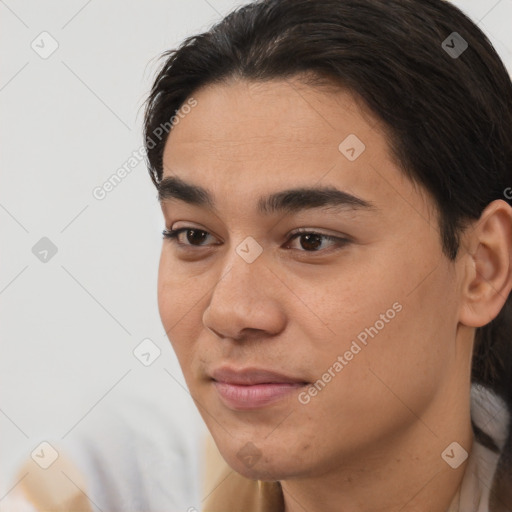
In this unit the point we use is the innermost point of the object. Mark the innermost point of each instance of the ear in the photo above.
(487, 265)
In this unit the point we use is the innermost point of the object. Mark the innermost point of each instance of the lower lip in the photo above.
(254, 396)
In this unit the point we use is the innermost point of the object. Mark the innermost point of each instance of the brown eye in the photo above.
(193, 236)
(311, 241)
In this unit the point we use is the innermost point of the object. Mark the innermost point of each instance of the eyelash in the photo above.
(173, 234)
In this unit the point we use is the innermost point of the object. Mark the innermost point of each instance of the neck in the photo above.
(403, 474)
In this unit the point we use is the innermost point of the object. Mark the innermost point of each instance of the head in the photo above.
(345, 119)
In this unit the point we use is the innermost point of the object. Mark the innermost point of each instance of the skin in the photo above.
(372, 438)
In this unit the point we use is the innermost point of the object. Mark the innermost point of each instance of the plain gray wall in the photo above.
(69, 325)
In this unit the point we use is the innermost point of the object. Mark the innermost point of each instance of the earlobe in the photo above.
(488, 265)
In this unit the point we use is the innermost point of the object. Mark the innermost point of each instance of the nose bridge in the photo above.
(245, 269)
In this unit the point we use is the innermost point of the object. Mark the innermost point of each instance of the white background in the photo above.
(68, 327)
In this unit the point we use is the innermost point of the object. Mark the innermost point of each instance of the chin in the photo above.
(259, 465)
(262, 470)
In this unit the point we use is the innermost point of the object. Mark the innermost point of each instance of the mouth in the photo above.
(253, 388)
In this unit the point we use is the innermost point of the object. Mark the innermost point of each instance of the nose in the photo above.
(245, 302)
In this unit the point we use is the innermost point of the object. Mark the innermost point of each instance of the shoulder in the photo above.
(491, 417)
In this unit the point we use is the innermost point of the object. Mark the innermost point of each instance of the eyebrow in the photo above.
(286, 201)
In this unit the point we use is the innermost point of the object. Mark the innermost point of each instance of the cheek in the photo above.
(179, 300)
(338, 304)
(178, 291)
(375, 386)
(394, 338)
(400, 363)
(168, 292)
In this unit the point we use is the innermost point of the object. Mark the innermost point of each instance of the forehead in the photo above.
(255, 137)
(281, 114)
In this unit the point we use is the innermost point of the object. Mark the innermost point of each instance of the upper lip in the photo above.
(251, 376)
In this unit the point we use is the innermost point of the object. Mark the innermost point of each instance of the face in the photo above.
(308, 326)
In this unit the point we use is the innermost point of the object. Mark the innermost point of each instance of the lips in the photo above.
(253, 388)
(251, 376)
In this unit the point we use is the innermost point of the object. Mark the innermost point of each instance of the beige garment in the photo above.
(232, 492)
(61, 487)
(226, 490)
